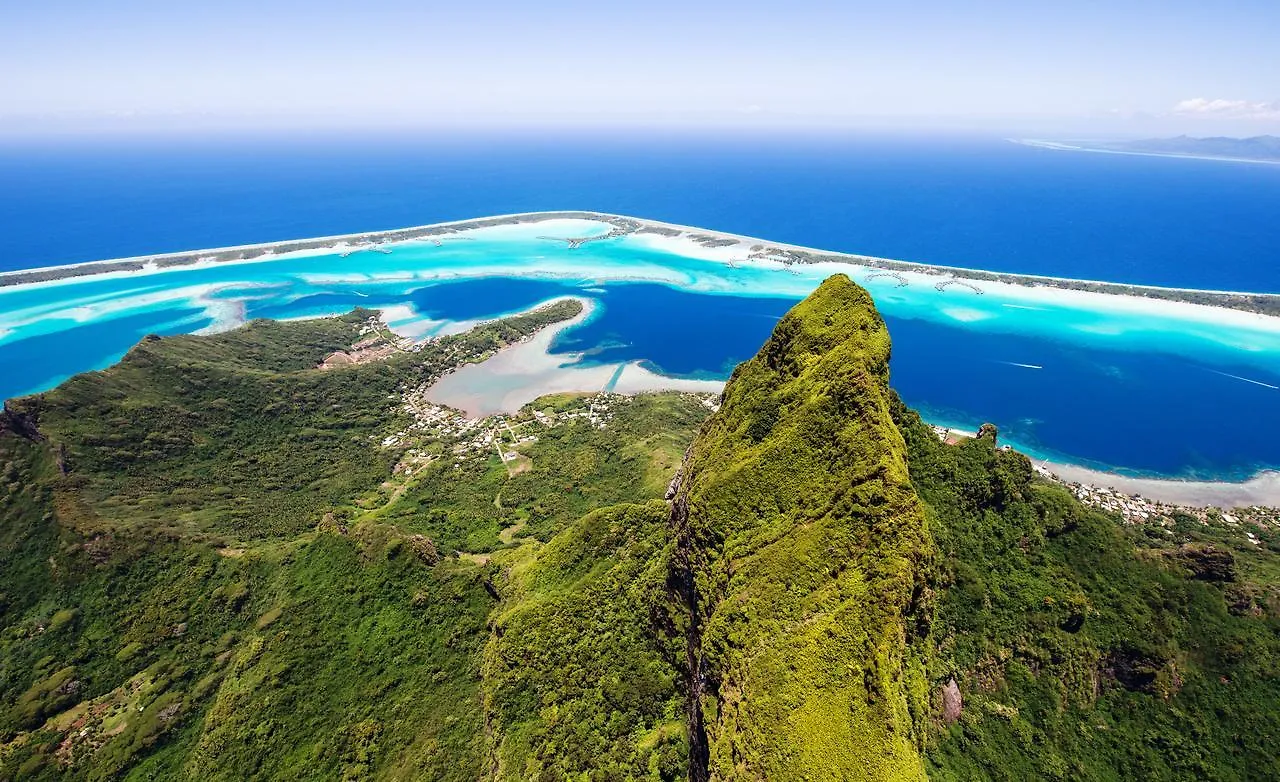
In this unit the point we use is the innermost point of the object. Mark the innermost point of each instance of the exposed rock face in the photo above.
(169, 713)
(674, 485)
(1134, 670)
(1243, 601)
(21, 423)
(952, 702)
(1207, 562)
(802, 555)
(425, 548)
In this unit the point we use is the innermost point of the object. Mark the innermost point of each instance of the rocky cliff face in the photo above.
(20, 422)
(804, 560)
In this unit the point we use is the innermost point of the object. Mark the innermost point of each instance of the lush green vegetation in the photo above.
(238, 436)
(574, 467)
(209, 570)
(581, 673)
(293, 641)
(804, 554)
(1087, 650)
(328, 656)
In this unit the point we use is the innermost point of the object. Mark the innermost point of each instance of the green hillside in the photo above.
(804, 558)
(219, 561)
(1085, 649)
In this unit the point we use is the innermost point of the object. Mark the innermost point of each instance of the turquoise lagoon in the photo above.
(1119, 383)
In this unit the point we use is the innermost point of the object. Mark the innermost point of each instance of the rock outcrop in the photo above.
(24, 424)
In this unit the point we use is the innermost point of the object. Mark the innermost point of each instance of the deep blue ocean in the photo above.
(1138, 413)
(1143, 414)
(982, 203)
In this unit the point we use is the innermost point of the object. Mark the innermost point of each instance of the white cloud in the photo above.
(1228, 109)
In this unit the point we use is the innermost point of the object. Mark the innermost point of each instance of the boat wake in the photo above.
(1245, 379)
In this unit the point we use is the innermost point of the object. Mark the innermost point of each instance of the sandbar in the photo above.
(520, 373)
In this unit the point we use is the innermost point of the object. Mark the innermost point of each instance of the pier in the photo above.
(942, 286)
(371, 246)
(621, 227)
(902, 281)
(577, 241)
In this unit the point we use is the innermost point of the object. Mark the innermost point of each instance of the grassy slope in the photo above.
(237, 436)
(183, 662)
(1085, 650)
(807, 551)
(581, 673)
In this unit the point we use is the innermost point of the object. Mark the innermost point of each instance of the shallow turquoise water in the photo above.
(1103, 381)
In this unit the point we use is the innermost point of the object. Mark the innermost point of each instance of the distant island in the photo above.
(1255, 149)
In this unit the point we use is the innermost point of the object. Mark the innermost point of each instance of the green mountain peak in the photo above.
(804, 558)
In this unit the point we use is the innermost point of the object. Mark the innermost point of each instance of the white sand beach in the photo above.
(523, 372)
(521, 224)
(1263, 489)
(1042, 294)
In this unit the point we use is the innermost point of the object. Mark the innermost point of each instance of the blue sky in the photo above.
(1073, 68)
